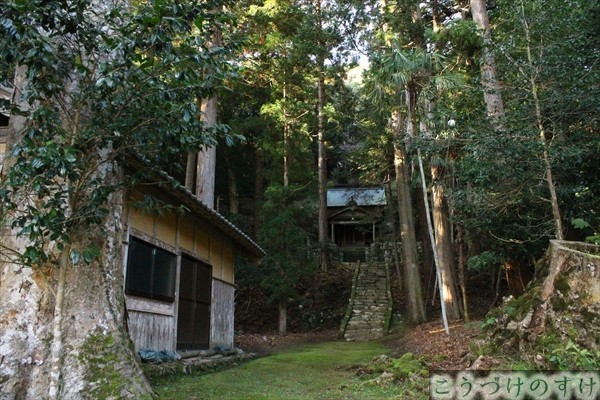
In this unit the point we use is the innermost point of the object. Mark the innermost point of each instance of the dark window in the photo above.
(150, 271)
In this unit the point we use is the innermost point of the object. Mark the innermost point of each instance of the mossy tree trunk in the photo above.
(62, 322)
(93, 357)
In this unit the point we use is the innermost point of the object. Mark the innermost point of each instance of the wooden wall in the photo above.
(221, 319)
(153, 324)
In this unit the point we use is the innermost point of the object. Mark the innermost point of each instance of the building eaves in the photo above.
(189, 200)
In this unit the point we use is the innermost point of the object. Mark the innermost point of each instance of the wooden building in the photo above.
(178, 267)
(179, 273)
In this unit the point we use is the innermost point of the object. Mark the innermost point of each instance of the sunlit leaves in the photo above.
(102, 83)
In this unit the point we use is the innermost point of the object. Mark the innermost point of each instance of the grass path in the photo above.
(317, 371)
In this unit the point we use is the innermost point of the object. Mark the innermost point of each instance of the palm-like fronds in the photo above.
(397, 67)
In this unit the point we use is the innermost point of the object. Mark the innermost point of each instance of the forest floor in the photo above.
(428, 340)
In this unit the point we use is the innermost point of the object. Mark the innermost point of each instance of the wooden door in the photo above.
(193, 320)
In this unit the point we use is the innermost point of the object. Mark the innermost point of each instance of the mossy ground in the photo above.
(330, 370)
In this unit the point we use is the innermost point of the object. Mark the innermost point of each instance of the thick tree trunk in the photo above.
(415, 305)
(92, 356)
(206, 160)
(322, 150)
(62, 328)
(443, 243)
(489, 80)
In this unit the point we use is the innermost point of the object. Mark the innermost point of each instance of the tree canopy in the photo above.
(483, 116)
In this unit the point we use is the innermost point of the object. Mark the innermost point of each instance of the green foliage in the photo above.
(285, 232)
(485, 261)
(98, 84)
(581, 224)
(458, 38)
(563, 49)
(489, 321)
(574, 357)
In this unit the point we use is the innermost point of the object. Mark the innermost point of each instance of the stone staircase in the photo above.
(370, 307)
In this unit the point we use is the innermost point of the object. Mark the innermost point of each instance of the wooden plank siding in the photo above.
(221, 318)
(153, 324)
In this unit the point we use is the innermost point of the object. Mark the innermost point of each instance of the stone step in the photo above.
(370, 305)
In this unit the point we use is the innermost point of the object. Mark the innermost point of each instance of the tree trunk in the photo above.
(259, 184)
(92, 356)
(392, 222)
(427, 251)
(207, 158)
(432, 239)
(462, 268)
(56, 349)
(443, 243)
(322, 150)
(282, 316)
(489, 80)
(234, 202)
(190, 172)
(62, 326)
(415, 306)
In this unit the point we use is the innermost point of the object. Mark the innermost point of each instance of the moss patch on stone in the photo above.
(556, 328)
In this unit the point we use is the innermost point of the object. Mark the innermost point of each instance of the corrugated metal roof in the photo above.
(342, 197)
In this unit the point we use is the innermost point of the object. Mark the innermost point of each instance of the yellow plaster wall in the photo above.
(203, 240)
(166, 228)
(216, 258)
(187, 228)
(194, 236)
(139, 220)
(228, 263)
